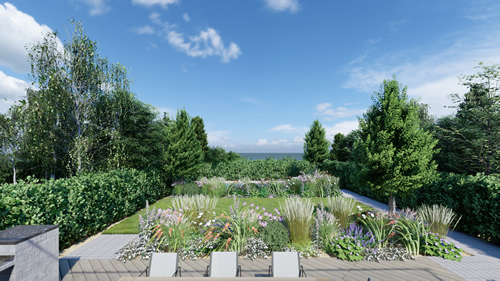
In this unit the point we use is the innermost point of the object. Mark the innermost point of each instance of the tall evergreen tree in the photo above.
(201, 135)
(393, 154)
(183, 154)
(340, 150)
(316, 145)
(474, 132)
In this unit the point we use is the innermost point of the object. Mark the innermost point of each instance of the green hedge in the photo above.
(81, 205)
(256, 169)
(475, 198)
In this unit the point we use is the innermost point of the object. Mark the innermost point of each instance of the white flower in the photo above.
(201, 213)
(372, 215)
(200, 223)
(363, 215)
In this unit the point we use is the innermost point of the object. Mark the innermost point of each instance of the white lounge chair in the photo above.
(223, 264)
(286, 264)
(163, 265)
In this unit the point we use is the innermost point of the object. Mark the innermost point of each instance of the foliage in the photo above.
(361, 236)
(409, 231)
(183, 154)
(191, 189)
(439, 217)
(215, 186)
(255, 248)
(173, 231)
(201, 135)
(297, 214)
(275, 235)
(216, 155)
(81, 205)
(474, 132)
(315, 144)
(346, 248)
(341, 207)
(435, 245)
(381, 226)
(11, 138)
(393, 154)
(325, 228)
(255, 169)
(392, 253)
(197, 208)
(340, 150)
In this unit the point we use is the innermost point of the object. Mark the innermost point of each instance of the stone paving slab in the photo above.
(484, 264)
(103, 247)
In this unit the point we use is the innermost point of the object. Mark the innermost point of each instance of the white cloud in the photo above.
(373, 41)
(287, 128)
(281, 142)
(11, 90)
(342, 127)
(208, 43)
(143, 30)
(430, 74)
(323, 109)
(395, 25)
(253, 101)
(18, 30)
(186, 17)
(262, 142)
(184, 68)
(298, 139)
(98, 7)
(219, 138)
(282, 5)
(155, 18)
(357, 60)
(149, 3)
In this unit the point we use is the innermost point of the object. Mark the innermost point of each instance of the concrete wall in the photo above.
(36, 258)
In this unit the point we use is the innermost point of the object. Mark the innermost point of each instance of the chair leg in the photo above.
(206, 272)
(144, 271)
(239, 269)
(302, 271)
(178, 271)
(269, 272)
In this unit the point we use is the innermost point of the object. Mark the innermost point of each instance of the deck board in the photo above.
(333, 268)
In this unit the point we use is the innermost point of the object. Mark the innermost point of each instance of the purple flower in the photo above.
(446, 251)
(263, 209)
(256, 208)
(251, 205)
(244, 203)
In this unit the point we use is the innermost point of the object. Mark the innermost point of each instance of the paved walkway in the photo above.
(102, 247)
(484, 264)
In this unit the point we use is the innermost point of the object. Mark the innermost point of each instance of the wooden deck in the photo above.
(420, 269)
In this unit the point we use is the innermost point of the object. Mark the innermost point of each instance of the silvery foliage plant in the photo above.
(395, 253)
(142, 247)
(255, 248)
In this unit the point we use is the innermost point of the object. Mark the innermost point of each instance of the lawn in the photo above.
(131, 224)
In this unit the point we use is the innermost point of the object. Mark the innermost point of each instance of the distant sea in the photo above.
(258, 156)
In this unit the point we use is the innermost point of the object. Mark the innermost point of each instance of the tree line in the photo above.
(398, 146)
(81, 117)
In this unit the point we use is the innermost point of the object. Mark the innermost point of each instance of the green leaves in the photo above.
(315, 144)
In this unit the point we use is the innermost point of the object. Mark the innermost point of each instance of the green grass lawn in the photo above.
(131, 224)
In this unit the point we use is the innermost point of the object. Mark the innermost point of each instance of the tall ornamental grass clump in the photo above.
(341, 207)
(297, 213)
(198, 209)
(439, 217)
(411, 231)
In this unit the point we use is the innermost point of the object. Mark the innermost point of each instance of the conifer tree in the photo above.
(183, 154)
(316, 145)
(393, 154)
(340, 150)
(201, 135)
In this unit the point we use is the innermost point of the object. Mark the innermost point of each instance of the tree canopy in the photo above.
(315, 144)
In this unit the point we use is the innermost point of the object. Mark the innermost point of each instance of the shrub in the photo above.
(275, 235)
(191, 189)
(198, 208)
(346, 248)
(435, 245)
(326, 227)
(81, 205)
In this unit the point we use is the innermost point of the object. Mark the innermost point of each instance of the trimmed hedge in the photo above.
(255, 169)
(81, 205)
(475, 198)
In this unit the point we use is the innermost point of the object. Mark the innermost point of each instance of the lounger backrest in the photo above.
(286, 264)
(223, 264)
(163, 264)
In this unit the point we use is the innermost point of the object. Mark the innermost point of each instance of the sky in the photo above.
(259, 72)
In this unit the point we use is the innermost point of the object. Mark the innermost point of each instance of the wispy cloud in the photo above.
(143, 30)
(155, 18)
(18, 30)
(357, 60)
(287, 128)
(183, 68)
(395, 25)
(149, 3)
(430, 74)
(254, 101)
(97, 7)
(330, 114)
(262, 142)
(373, 41)
(282, 5)
(342, 127)
(186, 17)
(483, 10)
(208, 43)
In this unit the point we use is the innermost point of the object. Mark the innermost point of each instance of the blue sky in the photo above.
(259, 72)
